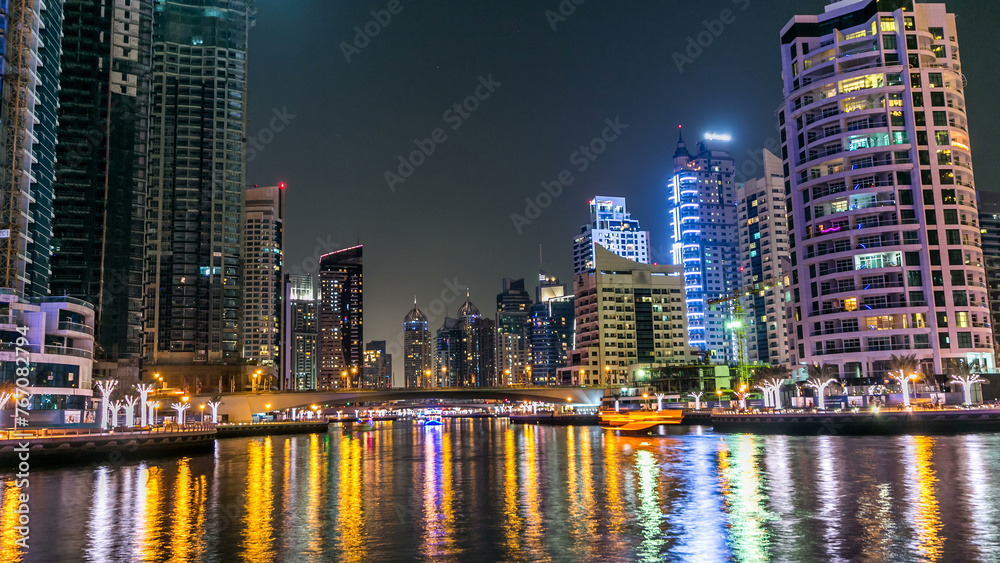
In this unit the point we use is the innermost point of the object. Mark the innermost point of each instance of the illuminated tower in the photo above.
(885, 241)
(704, 240)
(611, 226)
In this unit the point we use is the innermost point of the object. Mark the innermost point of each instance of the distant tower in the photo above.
(341, 335)
(416, 350)
(513, 311)
(263, 228)
(612, 227)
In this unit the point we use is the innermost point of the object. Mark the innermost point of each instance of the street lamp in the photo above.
(202, 408)
(607, 375)
(719, 393)
(528, 369)
(645, 400)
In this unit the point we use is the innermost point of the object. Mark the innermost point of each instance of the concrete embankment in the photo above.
(75, 448)
(860, 423)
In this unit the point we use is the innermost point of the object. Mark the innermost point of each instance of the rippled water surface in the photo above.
(482, 490)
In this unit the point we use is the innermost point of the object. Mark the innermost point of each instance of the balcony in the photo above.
(75, 327)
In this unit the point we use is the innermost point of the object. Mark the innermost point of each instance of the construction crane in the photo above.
(14, 123)
(737, 324)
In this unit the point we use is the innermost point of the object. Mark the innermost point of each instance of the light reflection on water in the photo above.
(486, 490)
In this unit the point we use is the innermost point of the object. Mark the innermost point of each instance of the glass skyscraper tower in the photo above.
(704, 240)
(197, 176)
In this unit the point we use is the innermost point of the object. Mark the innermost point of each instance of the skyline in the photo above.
(426, 59)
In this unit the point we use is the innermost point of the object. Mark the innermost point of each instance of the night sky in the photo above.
(450, 221)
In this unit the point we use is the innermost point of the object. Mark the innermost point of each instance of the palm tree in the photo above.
(820, 377)
(770, 379)
(964, 375)
(7, 390)
(903, 369)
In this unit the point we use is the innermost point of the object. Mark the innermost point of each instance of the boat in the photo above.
(366, 426)
(433, 418)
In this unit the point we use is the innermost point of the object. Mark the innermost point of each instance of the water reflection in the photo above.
(486, 490)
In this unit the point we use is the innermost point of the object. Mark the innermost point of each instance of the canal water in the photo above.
(487, 490)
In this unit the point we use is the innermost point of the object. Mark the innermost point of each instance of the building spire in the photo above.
(681, 155)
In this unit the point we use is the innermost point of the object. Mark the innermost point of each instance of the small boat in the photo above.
(367, 426)
(433, 420)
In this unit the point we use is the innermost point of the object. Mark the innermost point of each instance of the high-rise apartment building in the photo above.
(418, 364)
(612, 227)
(449, 355)
(197, 176)
(989, 228)
(378, 366)
(98, 227)
(627, 314)
(884, 230)
(340, 317)
(550, 330)
(32, 34)
(301, 331)
(763, 250)
(704, 240)
(263, 283)
(513, 341)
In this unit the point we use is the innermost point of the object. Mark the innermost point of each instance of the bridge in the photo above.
(243, 406)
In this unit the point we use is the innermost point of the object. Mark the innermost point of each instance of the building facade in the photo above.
(378, 366)
(550, 329)
(197, 176)
(60, 349)
(989, 228)
(763, 251)
(628, 314)
(340, 317)
(263, 279)
(28, 122)
(513, 340)
(704, 240)
(884, 232)
(449, 355)
(301, 332)
(418, 364)
(611, 226)
(98, 227)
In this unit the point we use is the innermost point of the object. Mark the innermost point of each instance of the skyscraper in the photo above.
(704, 239)
(28, 121)
(340, 316)
(263, 217)
(477, 362)
(98, 228)
(450, 355)
(197, 175)
(513, 345)
(884, 233)
(989, 227)
(763, 251)
(627, 314)
(550, 330)
(301, 332)
(378, 366)
(612, 227)
(417, 350)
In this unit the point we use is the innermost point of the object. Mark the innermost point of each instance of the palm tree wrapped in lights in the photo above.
(180, 408)
(114, 408)
(697, 399)
(8, 391)
(130, 402)
(770, 379)
(106, 387)
(964, 375)
(821, 377)
(742, 394)
(214, 404)
(903, 369)
(145, 415)
(659, 401)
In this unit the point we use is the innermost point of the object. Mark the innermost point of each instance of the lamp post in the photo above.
(444, 376)
(645, 400)
(354, 374)
(343, 377)
(719, 393)
(607, 376)
(202, 409)
(528, 378)
(506, 378)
